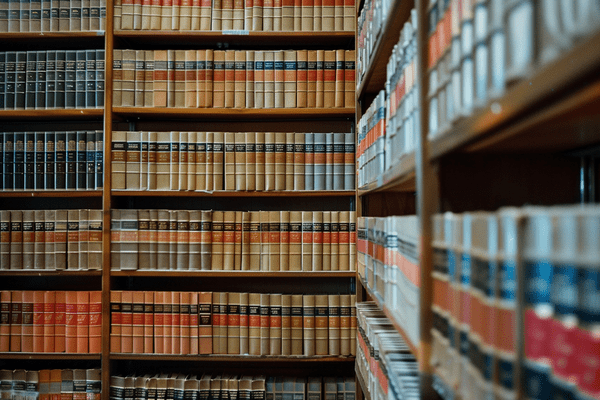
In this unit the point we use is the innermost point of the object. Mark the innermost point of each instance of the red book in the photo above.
(184, 323)
(175, 323)
(159, 320)
(115, 321)
(126, 321)
(205, 323)
(4, 321)
(148, 322)
(194, 323)
(16, 320)
(71, 322)
(95, 322)
(83, 321)
(137, 322)
(49, 322)
(27, 322)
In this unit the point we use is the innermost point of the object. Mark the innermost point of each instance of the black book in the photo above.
(40, 160)
(90, 78)
(19, 161)
(2, 80)
(59, 100)
(80, 79)
(100, 78)
(21, 79)
(81, 160)
(40, 81)
(71, 177)
(99, 159)
(30, 79)
(90, 161)
(50, 78)
(49, 159)
(60, 160)
(8, 164)
(11, 79)
(70, 78)
(29, 160)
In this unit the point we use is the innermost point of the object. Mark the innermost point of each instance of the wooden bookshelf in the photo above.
(52, 114)
(49, 273)
(49, 35)
(56, 194)
(237, 274)
(249, 114)
(225, 193)
(49, 356)
(232, 358)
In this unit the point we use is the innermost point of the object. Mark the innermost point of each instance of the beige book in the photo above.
(275, 328)
(117, 15)
(216, 328)
(307, 10)
(287, 15)
(349, 15)
(301, 78)
(171, 77)
(49, 237)
(326, 241)
(239, 168)
(172, 240)
(128, 82)
(117, 78)
(153, 239)
(143, 236)
(321, 324)
(255, 241)
(201, 78)
(295, 246)
(280, 158)
(344, 241)
(201, 161)
(277, 15)
(39, 247)
(180, 88)
(245, 251)
(144, 160)
(320, 82)
(205, 15)
(238, 14)
(162, 247)
(206, 240)
(289, 161)
(311, 79)
(297, 325)
(284, 240)
(176, 14)
(237, 249)
(174, 166)
(228, 240)
(166, 15)
(299, 161)
(338, 12)
(297, 15)
(344, 324)
(250, 159)
(183, 240)
(259, 79)
(264, 241)
(233, 323)
(230, 78)
(249, 78)
(129, 239)
(209, 160)
(191, 81)
(339, 78)
(217, 240)
(183, 160)
(317, 17)
(218, 163)
(210, 78)
(226, 15)
(286, 324)
(115, 238)
(223, 312)
(265, 339)
(195, 19)
(335, 240)
(274, 241)
(244, 324)
(353, 324)
(72, 240)
(352, 240)
(308, 319)
(317, 249)
(307, 241)
(152, 159)
(230, 161)
(195, 242)
(127, 14)
(289, 78)
(254, 330)
(269, 160)
(191, 160)
(329, 78)
(268, 13)
(269, 79)
(60, 241)
(279, 80)
(140, 78)
(257, 15)
(260, 160)
(219, 78)
(160, 78)
(118, 160)
(155, 15)
(240, 79)
(334, 324)
(350, 78)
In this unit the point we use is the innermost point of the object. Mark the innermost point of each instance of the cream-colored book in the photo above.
(166, 16)
(268, 13)
(237, 248)
(349, 15)
(328, 15)
(226, 15)
(274, 241)
(255, 241)
(216, 327)
(345, 334)
(183, 240)
(118, 160)
(133, 160)
(269, 79)
(185, 15)
(248, 10)
(284, 240)
(117, 78)
(329, 81)
(260, 160)
(180, 78)
(152, 154)
(174, 169)
(344, 241)
(160, 78)
(128, 82)
(217, 15)
(334, 324)
(140, 78)
(269, 160)
(287, 15)
(280, 158)
(163, 160)
(245, 252)
(289, 161)
(317, 16)
(200, 161)
(144, 160)
(172, 241)
(209, 160)
(233, 323)
(228, 240)
(289, 77)
(350, 78)
(205, 15)
(127, 14)
(230, 78)
(223, 303)
(340, 93)
(317, 250)
(250, 158)
(240, 79)
(299, 160)
(210, 78)
(301, 79)
(244, 323)
(338, 15)
(200, 78)
(311, 79)
(279, 80)
(206, 240)
(155, 15)
(239, 172)
(259, 79)
(321, 324)
(183, 160)
(335, 240)
(326, 240)
(218, 164)
(230, 161)
(308, 314)
(191, 159)
(353, 324)
(307, 15)
(265, 338)
(264, 241)
(295, 246)
(250, 78)
(307, 241)
(297, 325)
(176, 14)
(219, 79)
(286, 324)
(217, 240)
(275, 329)
(297, 15)
(238, 14)
(162, 247)
(257, 15)
(195, 241)
(195, 19)
(153, 239)
(191, 81)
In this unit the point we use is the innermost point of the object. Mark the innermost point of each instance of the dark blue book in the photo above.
(81, 160)
(70, 78)
(99, 159)
(2, 79)
(80, 79)
(21, 79)
(40, 161)
(50, 78)
(29, 160)
(40, 80)
(59, 101)
(99, 92)
(60, 163)
(19, 161)
(90, 139)
(71, 160)
(8, 164)
(90, 78)
(1, 158)
(49, 159)
(30, 79)
(11, 79)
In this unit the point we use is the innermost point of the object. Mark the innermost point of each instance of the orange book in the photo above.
(71, 322)
(126, 321)
(115, 321)
(27, 322)
(159, 320)
(148, 322)
(38, 321)
(83, 321)
(167, 323)
(137, 322)
(194, 323)
(44, 384)
(57, 382)
(60, 321)
(205, 334)
(16, 320)
(184, 323)
(50, 342)
(175, 323)
(95, 322)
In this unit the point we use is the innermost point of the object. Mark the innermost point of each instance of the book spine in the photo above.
(230, 161)
(280, 158)
(265, 301)
(183, 240)
(28, 235)
(233, 323)
(191, 160)
(39, 238)
(174, 336)
(279, 79)
(274, 241)
(295, 241)
(244, 323)
(317, 241)
(259, 79)
(249, 78)
(194, 324)
(205, 322)
(275, 328)
(49, 321)
(326, 241)
(126, 321)
(218, 154)
(217, 240)
(289, 161)
(239, 79)
(83, 322)
(60, 239)
(71, 161)
(260, 161)
(137, 322)
(307, 241)
(269, 160)
(38, 322)
(344, 324)
(115, 321)
(16, 239)
(159, 321)
(290, 78)
(228, 240)
(148, 322)
(184, 323)
(264, 241)
(70, 322)
(335, 240)
(269, 79)
(250, 160)
(321, 325)
(95, 322)
(254, 327)
(308, 324)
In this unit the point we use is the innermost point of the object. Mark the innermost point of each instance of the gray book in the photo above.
(329, 170)
(338, 161)
(319, 169)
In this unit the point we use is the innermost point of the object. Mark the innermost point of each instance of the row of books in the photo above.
(232, 323)
(486, 339)
(234, 78)
(388, 263)
(383, 361)
(229, 15)
(48, 384)
(51, 79)
(50, 321)
(52, 16)
(231, 386)
(242, 161)
(233, 240)
(62, 160)
(477, 49)
(51, 239)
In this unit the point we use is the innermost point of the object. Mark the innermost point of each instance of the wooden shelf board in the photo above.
(56, 193)
(41, 272)
(401, 178)
(45, 35)
(48, 356)
(223, 193)
(556, 99)
(242, 274)
(84, 113)
(374, 78)
(235, 113)
(232, 357)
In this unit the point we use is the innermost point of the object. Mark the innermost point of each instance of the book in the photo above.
(274, 241)
(240, 78)
(183, 240)
(326, 252)
(233, 323)
(250, 160)
(218, 180)
(289, 160)
(308, 324)
(269, 161)
(254, 324)
(344, 324)
(280, 160)
(265, 238)
(290, 78)
(230, 161)
(260, 161)
(259, 79)
(321, 325)
(28, 239)
(269, 80)
(265, 340)
(205, 321)
(228, 262)
(279, 80)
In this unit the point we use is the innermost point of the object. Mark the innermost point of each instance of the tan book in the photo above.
(287, 15)
(335, 240)
(329, 79)
(153, 239)
(205, 334)
(160, 78)
(148, 322)
(249, 78)
(277, 15)
(238, 174)
(237, 248)
(228, 240)
(191, 79)
(191, 160)
(166, 17)
(264, 241)
(230, 161)
(308, 318)
(185, 15)
(275, 328)
(279, 79)
(127, 14)
(317, 15)
(344, 241)
(268, 13)
(274, 241)
(49, 238)
(73, 239)
(205, 15)
(180, 82)
(217, 240)
(317, 249)
(284, 240)
(140, 78)
(163, 237)
(259, 79)
(265, 339)
(230, 78)
(340, 90)
(286, 324)
(152, 159)
(289, 77)
(137, 322)
(250, 160)
(126, 321)
(239, 78)
(353, 324)
(233, 323)
(255, 241)
(270, 161)
(226, 15)
(344, 324)
(115, 237)
(210, 137)
(195, 241)
(117, 78)
(60, 240)
(244, 324)
(219, 331)
(307, 10)
(320, 80)
(118, 160)
(115, 321)
(176, 15)
(28, 245)
(155, 14)
(280, 158)
(159, 321)
(257, 15)
(334, 324)
(183, 240)
(254, 330)
(205, 240)
(350, 76)
(289, 161)
(128, 82)
(218, 163)
(297, 15)
(238, 14)
(311, 78)
(245, 252)
(338, 12)
(295, 246)
(210, 78)
(144, 239)
(200, 78)
(201, 161)
(173, 238)
(299, 161)
(144, 153)
(219, 78)
(133, 160)
(174, 165)
(297, 325)
(171, 57)
(307, 241)
(321, 327)
(326, 241)
(260, 160)
(302, 79)
(269, 79)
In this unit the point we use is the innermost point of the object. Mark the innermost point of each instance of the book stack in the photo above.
(236, 17)
(232, 323)
(49, 79)
(50, 321)
(233, 161)
(53, 16)
(370, 148)
(388, 263)
(51, 240)
(513, 302)
(476, 49)
(383, 361)
(232, 386)
(60, 160)
(50, 383)
(234, 78)
(192, 240)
